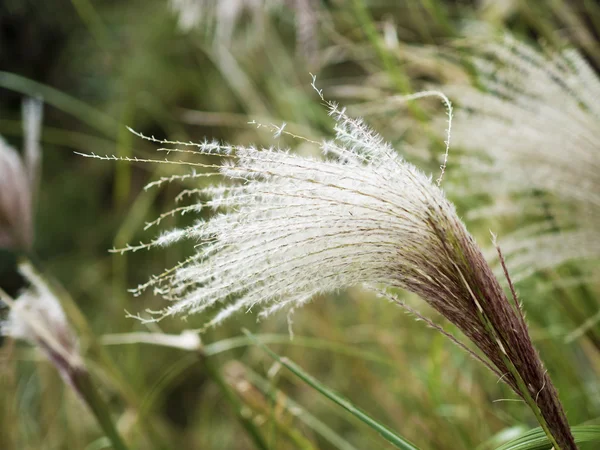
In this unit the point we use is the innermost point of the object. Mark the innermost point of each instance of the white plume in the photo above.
(532, 133)
(294, 226)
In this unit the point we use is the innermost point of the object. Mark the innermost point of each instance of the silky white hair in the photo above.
(293, 226)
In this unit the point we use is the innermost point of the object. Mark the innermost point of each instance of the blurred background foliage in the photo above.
(187, 70)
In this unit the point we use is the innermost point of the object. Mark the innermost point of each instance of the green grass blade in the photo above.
(299, 412)
(537, 440)
(300, 341)
(71, 105)
(384, 431)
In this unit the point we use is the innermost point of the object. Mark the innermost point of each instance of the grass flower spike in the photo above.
(536, 125)
(224, 18)
(18, 181)
(291, 227)
(37, 317)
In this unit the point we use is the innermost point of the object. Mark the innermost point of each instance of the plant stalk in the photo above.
(524, 391)
(82, 382)
(236, 403)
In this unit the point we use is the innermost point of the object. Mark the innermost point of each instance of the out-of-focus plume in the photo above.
(19, 180)
(36, 316)
(223, 16)
(532, 135)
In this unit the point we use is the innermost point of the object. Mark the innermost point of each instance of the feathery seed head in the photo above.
(192, 13)
(536, 124)
(15, 200)
(18, 181)
(224, 16)
(37, 317)
(298, 226)
(293, 227)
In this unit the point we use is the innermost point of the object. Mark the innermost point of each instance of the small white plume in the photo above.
(37, 317)
(19, 180)
(293, 226)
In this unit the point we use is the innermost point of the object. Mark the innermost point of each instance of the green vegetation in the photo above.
(378, 378)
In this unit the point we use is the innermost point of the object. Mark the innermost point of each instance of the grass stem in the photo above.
(83, 384)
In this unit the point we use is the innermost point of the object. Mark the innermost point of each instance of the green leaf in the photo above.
(537, 440)
(384, 431)
(71, 105)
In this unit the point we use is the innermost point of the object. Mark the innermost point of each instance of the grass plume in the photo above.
(531, 130)
(292, 227)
